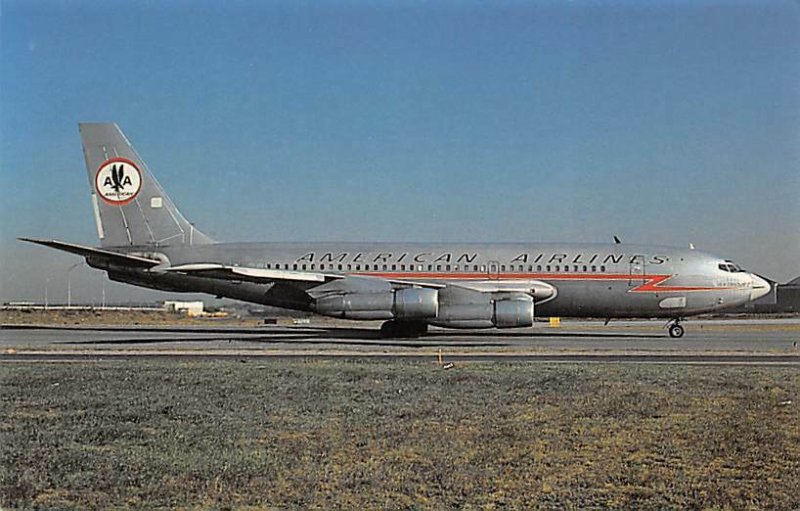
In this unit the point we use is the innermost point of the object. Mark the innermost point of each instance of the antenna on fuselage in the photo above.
(617, 240)
(691, 246)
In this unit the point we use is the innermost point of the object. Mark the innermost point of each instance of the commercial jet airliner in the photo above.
(145, 241)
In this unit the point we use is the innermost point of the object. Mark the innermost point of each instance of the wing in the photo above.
(267, 276)
(318, 284)
(247, 274)
(537, 289)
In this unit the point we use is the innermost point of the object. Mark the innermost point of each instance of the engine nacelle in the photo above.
(416, 303)
(513, 313)
(507, 313)
(411, 303)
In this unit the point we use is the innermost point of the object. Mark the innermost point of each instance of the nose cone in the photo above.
(760, 287)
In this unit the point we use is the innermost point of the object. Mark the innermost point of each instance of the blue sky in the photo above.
(662, 122)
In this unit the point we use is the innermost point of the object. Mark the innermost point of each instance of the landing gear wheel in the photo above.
(675, 331)
(393, 329)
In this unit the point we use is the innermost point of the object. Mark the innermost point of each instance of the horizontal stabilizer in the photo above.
(98, 253)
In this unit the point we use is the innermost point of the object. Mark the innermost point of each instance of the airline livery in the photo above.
(145, 241)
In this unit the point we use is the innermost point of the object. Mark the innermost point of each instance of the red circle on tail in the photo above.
(114, 183)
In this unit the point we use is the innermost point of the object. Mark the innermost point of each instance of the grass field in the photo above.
(368, 434)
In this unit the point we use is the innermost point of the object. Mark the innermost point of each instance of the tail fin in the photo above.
(130, 207)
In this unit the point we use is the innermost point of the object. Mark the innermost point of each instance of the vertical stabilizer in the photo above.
(130, 207)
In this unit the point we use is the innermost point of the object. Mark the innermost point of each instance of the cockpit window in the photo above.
(730, 266)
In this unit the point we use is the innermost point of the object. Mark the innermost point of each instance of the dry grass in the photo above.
(121, 318)
(367, 434)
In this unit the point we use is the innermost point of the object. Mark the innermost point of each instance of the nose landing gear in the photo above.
(675, 329)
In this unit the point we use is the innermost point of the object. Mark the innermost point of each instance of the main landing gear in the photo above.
(393, 328)
(675, 329)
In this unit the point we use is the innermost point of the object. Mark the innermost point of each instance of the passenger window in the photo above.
(349, 267)
(585, 268)
(538, 267)
(475, 267)
(304, 266)
(285, 266)
(312, 266)
(294, 266)
(594, 268)
(447, 268)
(384, 267)
(430, 267)
(483, 267)
(547, 268)
(575, 268)
(566, 268)
(502, 267)
(402, 267)
(438, 267)
(603, 269)
(394, 267)
(321, 266)
(340, 266)
(375, 267)
(358, 267)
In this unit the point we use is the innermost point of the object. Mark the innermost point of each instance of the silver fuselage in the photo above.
(590, 280)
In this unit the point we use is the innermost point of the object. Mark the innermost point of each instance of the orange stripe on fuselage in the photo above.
(652, 284)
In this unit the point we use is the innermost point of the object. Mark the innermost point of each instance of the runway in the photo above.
(706, 342)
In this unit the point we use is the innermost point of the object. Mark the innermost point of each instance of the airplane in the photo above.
(146, 241)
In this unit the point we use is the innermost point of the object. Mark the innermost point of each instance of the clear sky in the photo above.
(664, 123)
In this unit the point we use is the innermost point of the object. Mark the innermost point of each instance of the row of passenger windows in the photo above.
(466, 268)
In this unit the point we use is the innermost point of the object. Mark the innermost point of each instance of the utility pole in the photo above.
(69, 283)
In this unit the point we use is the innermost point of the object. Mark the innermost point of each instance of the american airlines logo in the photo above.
(118, 181)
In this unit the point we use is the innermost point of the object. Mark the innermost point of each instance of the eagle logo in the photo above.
(118, 181)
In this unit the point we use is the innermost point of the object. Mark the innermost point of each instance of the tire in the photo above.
(676, 331)
(389, 330)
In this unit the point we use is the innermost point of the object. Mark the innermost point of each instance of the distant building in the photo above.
(188, 308)
(789, 296)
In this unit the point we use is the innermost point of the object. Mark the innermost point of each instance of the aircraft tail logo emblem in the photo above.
(118, 181)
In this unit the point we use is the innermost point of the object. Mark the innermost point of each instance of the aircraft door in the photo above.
(493, 270)
(637, 270)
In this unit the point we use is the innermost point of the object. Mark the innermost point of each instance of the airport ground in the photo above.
(332, 416)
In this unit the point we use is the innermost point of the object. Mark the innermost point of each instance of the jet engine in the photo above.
(409, 303)
(511, 312)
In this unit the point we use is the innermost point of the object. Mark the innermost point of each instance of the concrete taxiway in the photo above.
(706, 342)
